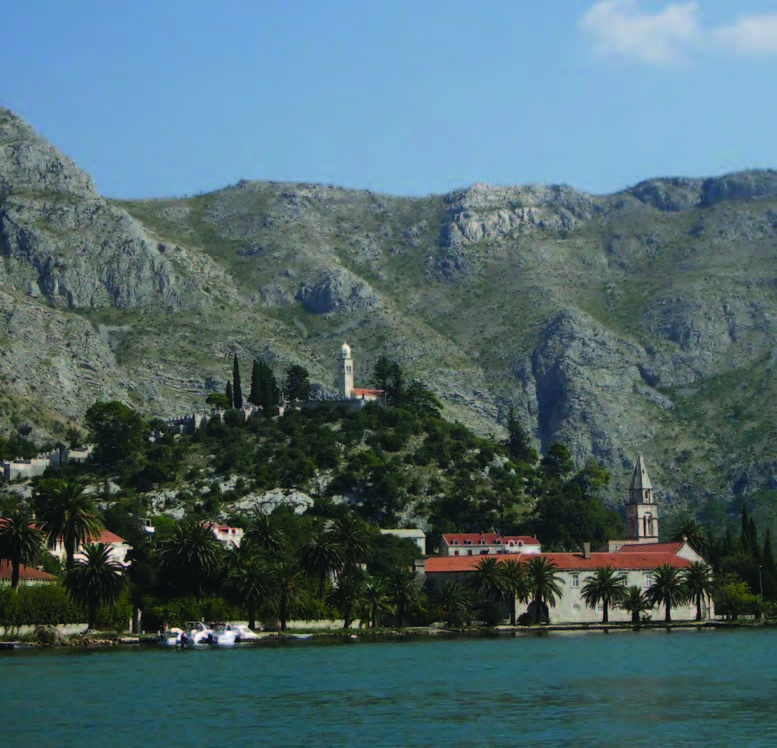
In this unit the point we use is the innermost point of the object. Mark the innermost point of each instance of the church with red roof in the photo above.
(636, 558)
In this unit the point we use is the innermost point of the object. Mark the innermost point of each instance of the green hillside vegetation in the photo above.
(642, 321)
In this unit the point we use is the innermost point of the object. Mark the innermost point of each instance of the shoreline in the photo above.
(354, 636)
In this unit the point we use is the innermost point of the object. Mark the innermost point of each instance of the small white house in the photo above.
(229, 537)
(119, 548)
(416, 535)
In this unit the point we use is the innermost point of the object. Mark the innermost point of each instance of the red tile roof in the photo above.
(106, 536)
(563, 561)
(652, 547)
(26, 573)
(365, 392)
(490, 538)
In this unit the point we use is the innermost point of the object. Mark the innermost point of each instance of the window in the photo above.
(469, 552)
(575, 580)
(520, 543)
(469, 542)
(455, 553)
(647, 579)
(455, 542)
(484, 553)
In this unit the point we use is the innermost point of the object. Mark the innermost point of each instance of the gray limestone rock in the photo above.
(336, 291)
(670, 195)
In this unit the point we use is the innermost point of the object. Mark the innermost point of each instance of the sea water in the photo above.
(657, 688)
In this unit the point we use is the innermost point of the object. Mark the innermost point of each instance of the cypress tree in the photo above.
(237, 390)
(268, 390)
(228, 393)
(769, 567)
(753, 540)
(518, 444)
(254, 396)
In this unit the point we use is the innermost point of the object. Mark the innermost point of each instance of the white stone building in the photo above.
(485, 544)
(119, 548)
(345, 379)
(416, 535)
(636, 557)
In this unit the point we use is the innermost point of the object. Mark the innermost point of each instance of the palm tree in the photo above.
(698, 584)
(404, 591)
(544, 585)
(20, 541)
(606, 586)
(267, 533)
(353, 536)
(635, 601)
(320, 556)
(68, 515)
(453, 601)
(249, 582)
(691, 531)
(487, 578)
(95, 580)
(514, 584)
(192, 554)
(377, 600)
(289, 597)
(348, 595)
(667, 589)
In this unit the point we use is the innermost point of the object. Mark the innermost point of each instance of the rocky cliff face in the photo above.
(642, 320)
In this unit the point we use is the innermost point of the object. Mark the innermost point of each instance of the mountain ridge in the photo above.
(611, 323)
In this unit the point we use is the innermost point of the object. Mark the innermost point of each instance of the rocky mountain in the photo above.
(639, 321)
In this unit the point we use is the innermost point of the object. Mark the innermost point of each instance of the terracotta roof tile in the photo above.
(563, 561)
(26, 573)
(652, 547)
(106, 536)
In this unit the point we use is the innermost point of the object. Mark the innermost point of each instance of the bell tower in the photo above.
(345, 372)
(641, 511)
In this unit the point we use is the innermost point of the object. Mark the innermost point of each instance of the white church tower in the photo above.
(345, 372)
(641, 511)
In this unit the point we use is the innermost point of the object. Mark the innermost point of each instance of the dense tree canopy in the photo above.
(116, 430)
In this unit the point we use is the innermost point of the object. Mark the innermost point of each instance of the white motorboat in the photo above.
(223, 635)
(244, 634)
(196, 634)
(169, 638)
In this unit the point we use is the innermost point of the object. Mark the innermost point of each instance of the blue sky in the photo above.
(172, 97)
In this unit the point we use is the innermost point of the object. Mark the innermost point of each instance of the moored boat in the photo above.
(169, 637)
(223, 635)
(196, 634)
(245, 635)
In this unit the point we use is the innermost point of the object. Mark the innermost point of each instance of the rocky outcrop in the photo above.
(584, 379)
(670, 195)
(61, 241)
(336, 291)
(31, 165)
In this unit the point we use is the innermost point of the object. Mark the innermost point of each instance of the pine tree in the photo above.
(228, 393)
(297, 384)
(237, 390)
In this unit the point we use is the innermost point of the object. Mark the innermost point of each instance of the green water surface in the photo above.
(689, 688)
